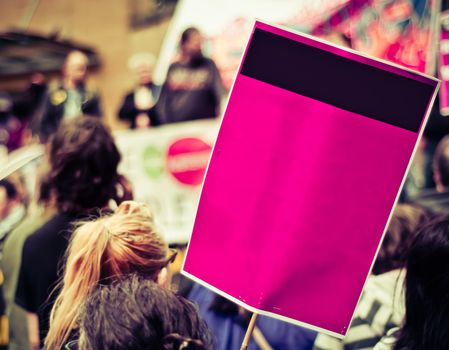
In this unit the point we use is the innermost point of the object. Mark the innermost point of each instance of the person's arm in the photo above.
(91, 104)
(46, 124)
(160, 110)
(128, 111)
(33, 330)
(218, 89)
(96, 109)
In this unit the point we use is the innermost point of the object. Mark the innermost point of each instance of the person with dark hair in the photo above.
(426, 321)
(381, 306)
(135, 313)
(436, 199)
(193, 88)
(83, 162)
(70, 99)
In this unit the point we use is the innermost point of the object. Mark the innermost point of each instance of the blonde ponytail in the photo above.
(82, 272)
(122, 243)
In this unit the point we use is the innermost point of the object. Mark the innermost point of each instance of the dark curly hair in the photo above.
(83, 162)
(136, 313)
(426, 320)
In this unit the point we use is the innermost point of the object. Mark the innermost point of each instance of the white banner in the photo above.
(166, 166)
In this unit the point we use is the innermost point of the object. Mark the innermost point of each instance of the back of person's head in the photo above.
(191, 45)
(187, 34)
(99, 252)
(142, 65)
(441, 164)
(83, 161)
(427, 290)
(404, 224)
(136, 313)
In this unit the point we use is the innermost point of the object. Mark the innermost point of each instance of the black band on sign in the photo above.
(335, 80)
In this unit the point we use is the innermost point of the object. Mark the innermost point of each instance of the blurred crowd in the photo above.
(85, 267)
(192, 90)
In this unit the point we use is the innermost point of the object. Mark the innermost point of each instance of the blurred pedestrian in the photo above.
(193, 88)
(138, 106)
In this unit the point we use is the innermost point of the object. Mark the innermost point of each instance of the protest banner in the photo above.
(400, 31)
(396, 30)
(166, 166)
(310, 156)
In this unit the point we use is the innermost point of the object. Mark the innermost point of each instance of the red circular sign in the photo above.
(187, 160)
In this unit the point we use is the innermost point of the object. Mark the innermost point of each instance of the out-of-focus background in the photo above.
(103, 26)
(158, 74)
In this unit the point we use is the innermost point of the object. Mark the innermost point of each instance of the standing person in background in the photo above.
(425, 325)
(29, 106)
(83, 175)
(137, 108)
(193, 88)
(72, 98)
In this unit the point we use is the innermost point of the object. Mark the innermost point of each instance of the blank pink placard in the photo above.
(302, 179)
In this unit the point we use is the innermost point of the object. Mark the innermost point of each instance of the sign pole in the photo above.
(249, 332)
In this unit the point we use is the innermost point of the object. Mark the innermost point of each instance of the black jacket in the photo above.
(54, 108)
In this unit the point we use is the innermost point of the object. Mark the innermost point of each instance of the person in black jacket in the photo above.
(138, 106)
(70, 99)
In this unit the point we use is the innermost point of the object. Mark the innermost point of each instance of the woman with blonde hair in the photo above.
(99, 252)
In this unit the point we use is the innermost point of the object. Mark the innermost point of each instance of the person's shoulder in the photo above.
(53, 227)
(210, 62)
(129, 95)
(175, 64)
(29, 225)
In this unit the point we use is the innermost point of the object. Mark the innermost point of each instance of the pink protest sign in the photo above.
(311, 153)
